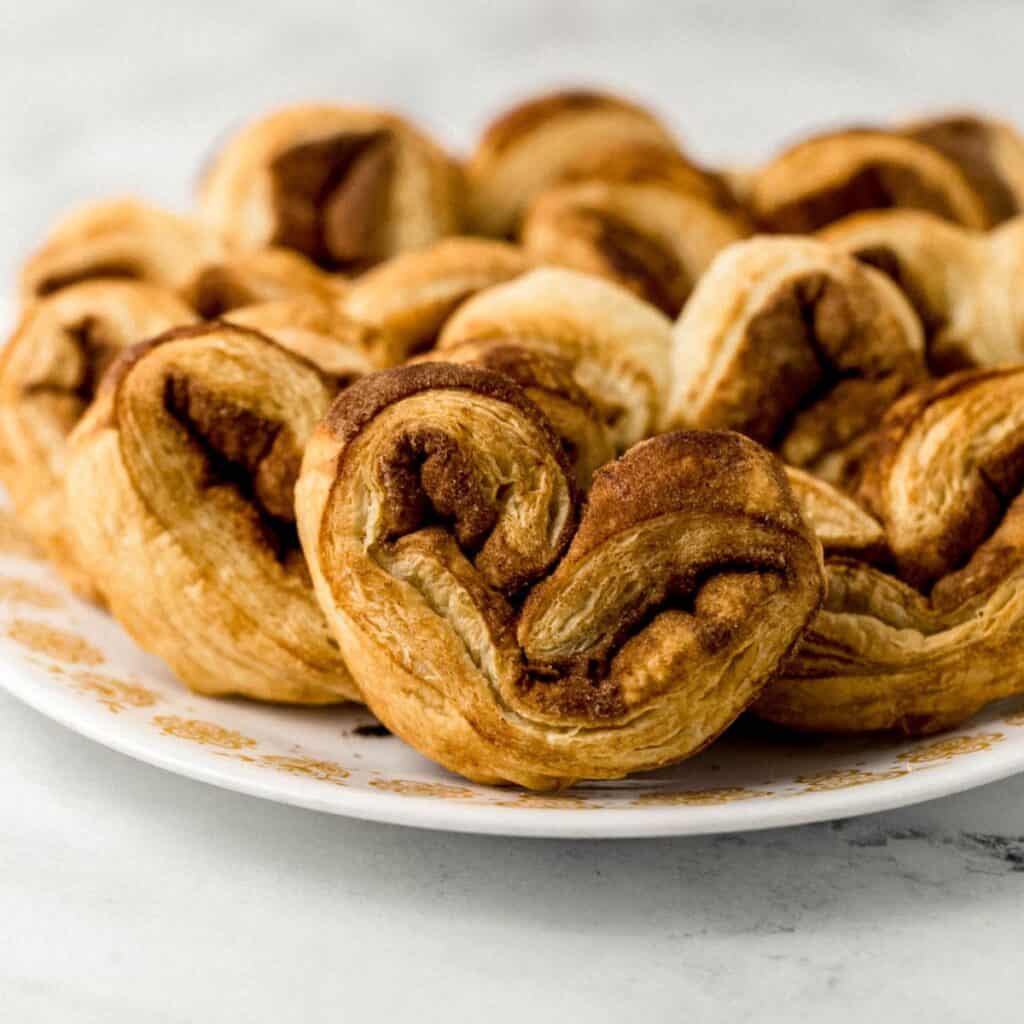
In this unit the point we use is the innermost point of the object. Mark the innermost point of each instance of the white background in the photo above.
(130, 895)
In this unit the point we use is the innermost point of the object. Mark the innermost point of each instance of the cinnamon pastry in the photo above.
(181, 477)
(830, 176)
(654, 240)
(989, 152)
(345, 186)
(617, 345)
(318, 331)
(543, 140)
(119, 238)
(547, 380)
(48, 375)
(253, 276)
(798, 346)
(963, 284)
(407, 299)
(922, 635)
(497, 636)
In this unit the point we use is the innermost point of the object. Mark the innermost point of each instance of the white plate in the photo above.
(75, 665)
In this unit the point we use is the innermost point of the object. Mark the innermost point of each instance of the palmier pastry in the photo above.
(345, 186)
(318, 331)
(407, 299)
(540, 142)
(617, 345)
(48, 375)
(510, 635)
(963, 284)
(652, 239)
(920, 635)
(989, 152)
(830, 176)
(251, 276)
(181, 478)
(547, 380)
(798, 346)
(119, 238)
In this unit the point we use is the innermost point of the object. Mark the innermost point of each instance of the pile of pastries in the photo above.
(561, 456)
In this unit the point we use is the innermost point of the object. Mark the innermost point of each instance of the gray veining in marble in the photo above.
(127, 894)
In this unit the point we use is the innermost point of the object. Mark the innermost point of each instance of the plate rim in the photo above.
(465, 817)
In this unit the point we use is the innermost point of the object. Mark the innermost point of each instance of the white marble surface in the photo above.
(131, 895)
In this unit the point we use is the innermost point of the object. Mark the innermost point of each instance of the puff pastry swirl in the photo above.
(512, 635)
(49, 373)
(181, 477)
(345, 186)
(798, 346)
(962, 284)
(920, 631)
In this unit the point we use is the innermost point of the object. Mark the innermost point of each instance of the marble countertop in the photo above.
(127, 894)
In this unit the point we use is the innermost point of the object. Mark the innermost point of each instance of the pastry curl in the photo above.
(798, 346)
(617, 345)
(990, 152)
(921, 633)
(49, 373)
(181, 478)
(830, 176)
(547, 380)
(318, 331)
(408, 299)
(963, 284)
(119, 238)
(252, 276)
(542, 141)
(652, 239)
(346, 187)
(511, 635)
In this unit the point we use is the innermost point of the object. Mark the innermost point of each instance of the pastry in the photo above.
(181, 476)
(962, 283)
(514, 636)
(656, 240)
(618, 345)
(407, 299)
(547, 380)
(798, 346)
(251, 276)
(316, 330)
(832, 175)
(344, 186)
(990, 152)
(119, 238)
(920, 634)
(539, 142)
(49, 372)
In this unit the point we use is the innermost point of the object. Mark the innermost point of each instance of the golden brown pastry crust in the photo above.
(542, 141)
(252, 276)
(798, 346)
(963, 284)
(119, 238)
(547, 380)
(345, 186)
(989, 151)
(408, 299)
(653, 239)
(181, 476)
(922, 633)
(49, 373)
(487, 629)
(317, 330)
(618, 346)
(830, 176)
